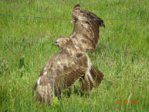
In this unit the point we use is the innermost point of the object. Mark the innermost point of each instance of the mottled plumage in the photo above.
(72, 62)
(59, 73)
(91, 79)
(86, 29)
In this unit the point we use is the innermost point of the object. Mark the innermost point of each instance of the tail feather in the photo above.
(43, 90)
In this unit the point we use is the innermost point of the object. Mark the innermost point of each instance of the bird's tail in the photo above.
(43, 90)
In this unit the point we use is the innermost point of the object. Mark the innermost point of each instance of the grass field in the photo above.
(27, 31)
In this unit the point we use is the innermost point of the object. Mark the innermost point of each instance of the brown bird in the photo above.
(59, 73)
(94, 77)
(72, 62)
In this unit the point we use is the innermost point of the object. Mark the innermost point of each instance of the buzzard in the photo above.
(59, 73)
(63, 70)
(72, 62)
(94, 77)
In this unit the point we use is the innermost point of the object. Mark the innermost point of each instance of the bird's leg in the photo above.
(91, 79)
(97, 76)
(89, 82)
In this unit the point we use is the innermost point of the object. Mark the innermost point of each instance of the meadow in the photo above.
(28, 29)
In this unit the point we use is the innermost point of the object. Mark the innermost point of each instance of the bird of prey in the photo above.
(59, 73)
(94, 77)
(72, 62)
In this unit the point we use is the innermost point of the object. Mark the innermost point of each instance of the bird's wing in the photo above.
(65, 68)
(86, 24)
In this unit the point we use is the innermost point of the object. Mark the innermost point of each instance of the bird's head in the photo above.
(62, 42)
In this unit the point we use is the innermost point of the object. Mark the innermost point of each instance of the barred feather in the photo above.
(71, 62)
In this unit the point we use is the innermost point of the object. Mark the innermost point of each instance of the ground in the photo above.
(28, 29)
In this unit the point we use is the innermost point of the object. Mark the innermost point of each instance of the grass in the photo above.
(27, 31)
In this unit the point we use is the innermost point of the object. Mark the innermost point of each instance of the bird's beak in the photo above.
(55, 43)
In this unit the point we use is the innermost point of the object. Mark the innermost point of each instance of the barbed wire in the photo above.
(62, 18)
(35, 17)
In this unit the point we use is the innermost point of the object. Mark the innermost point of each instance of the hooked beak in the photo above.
(55, 43)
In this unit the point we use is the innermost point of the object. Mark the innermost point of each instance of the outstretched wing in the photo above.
(81, 14)
(63, 70)
(60, 72)
(86, 25)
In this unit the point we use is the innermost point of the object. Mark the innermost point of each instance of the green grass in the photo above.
(28, 29)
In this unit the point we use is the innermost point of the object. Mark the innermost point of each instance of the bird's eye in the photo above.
(56, 42)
